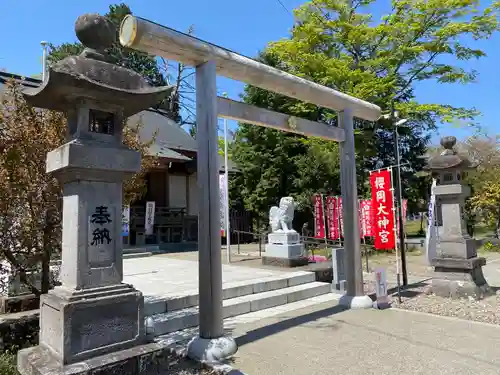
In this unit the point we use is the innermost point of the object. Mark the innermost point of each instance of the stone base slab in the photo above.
(284, 251)
(283, 238)
(78, 325)
(284, 262)
(147, 359)
(452, 281)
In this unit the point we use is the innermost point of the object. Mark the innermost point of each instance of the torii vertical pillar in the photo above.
(354, 297)
(211, 345)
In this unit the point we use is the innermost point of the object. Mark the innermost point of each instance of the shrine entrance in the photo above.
(210, 60)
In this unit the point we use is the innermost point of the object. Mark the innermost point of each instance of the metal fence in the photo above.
(312, 245)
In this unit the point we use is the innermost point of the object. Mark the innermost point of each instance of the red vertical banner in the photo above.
(319, 222)
(367, 217)
(382, 203)
(332, 218)
(341, 216)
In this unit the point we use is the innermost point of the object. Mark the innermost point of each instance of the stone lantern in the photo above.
(93, 314)
(458, 269)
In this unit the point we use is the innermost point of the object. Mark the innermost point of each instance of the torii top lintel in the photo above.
(146, 36)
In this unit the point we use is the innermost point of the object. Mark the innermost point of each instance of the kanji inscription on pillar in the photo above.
(101, 237)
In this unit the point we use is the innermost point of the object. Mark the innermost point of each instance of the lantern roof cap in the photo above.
(449, 158)
(93, 75)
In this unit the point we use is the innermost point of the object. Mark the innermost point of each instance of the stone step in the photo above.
(186, 318)
(159, 304)
(137, 255)
(141, 249)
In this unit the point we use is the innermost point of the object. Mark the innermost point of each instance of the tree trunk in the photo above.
(421, 223)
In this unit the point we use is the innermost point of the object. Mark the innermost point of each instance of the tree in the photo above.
(484, 152)
(380, 61)
(30, 200)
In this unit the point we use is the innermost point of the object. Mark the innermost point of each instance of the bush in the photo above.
(18, 332)
(8, 364)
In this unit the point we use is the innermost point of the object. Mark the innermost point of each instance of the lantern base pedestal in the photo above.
(76, 325)
(459, 278)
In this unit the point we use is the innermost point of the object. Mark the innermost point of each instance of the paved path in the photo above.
(324, 340)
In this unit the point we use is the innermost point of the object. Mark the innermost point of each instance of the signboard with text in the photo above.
(149, 218)
(223, 202)
(381, 286)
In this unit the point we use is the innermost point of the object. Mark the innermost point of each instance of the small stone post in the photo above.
(92, 314)
(458, 269)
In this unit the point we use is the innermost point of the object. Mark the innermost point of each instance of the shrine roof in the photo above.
(171, 139)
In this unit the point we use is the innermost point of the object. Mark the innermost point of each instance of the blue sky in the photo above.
(243, 26)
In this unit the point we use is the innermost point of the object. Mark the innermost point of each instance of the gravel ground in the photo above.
(420, 298)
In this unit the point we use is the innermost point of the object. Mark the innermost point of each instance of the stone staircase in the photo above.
(171, 314)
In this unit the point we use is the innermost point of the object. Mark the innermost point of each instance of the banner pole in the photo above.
(398, 276)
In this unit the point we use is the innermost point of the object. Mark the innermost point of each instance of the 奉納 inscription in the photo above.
(101, 232)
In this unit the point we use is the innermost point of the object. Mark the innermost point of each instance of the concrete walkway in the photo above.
(325, 340)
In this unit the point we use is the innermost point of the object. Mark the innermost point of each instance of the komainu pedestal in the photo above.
(458, 269)
(284, 247)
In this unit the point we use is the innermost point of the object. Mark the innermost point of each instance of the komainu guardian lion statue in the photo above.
(281, 217)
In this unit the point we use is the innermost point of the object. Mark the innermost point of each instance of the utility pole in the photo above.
(44, 59)
(399, 195)
(226, 192)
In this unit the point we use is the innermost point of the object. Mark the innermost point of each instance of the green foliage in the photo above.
(8, 364)
(57, 53)
(491, 247)
(376, 60)
(221, 147)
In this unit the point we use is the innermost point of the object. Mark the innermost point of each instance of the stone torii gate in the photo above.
(210, 60)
